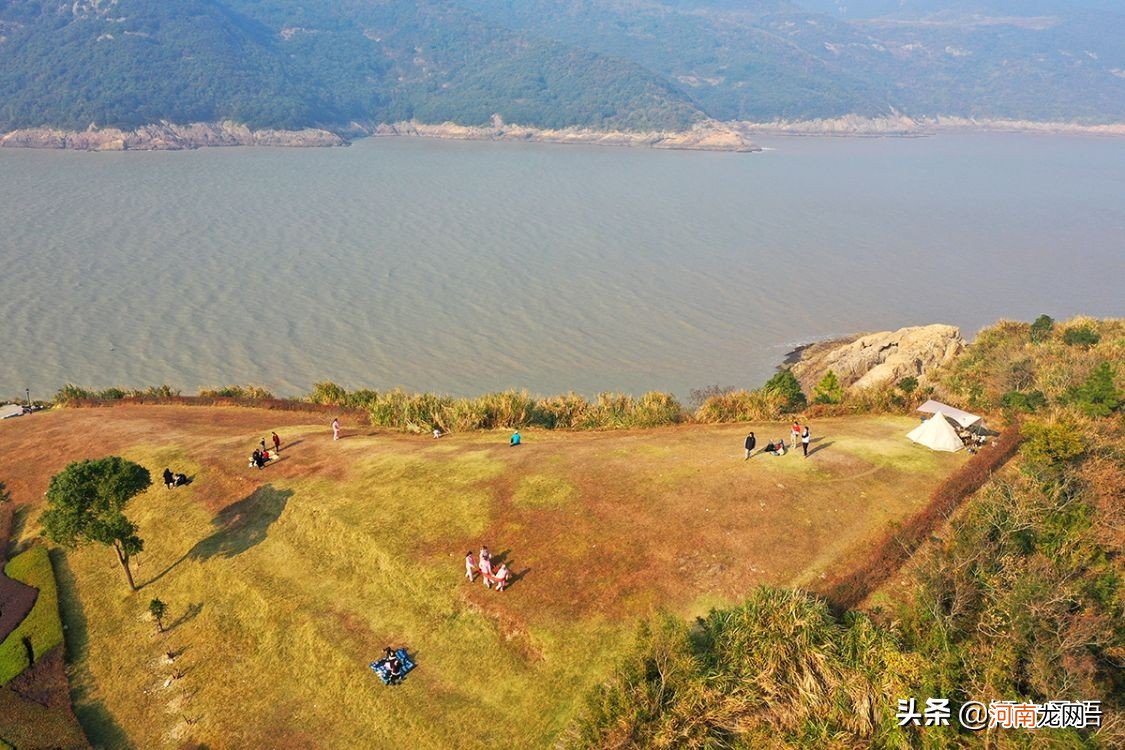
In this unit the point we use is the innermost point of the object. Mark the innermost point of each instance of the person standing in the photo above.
(805, 440)
(469, 566)
(276, 442)
(751, 441)
(336, 429)
(484, 564)
(262, 445)
(502, 576)
(794, 434)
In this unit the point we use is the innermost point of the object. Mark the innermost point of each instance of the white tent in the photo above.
(963, 418)
(936, 433)
(11, 410)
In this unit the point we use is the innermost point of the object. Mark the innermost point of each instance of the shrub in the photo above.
(697, 396)
(828, 390)
(42, 626)
(785, 384)
(1084, 336)
(1041, 328)
(159, 392)
(1098, 395)
(1052, 443)
(908, 384)
(1023, 402)
(327, 392)
(741, 406)
(779, 670)
(70, 393)
(566, 411)
(248, 392)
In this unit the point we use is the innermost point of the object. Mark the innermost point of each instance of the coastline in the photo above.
(901, 126)
(708, 135)
(704, 136)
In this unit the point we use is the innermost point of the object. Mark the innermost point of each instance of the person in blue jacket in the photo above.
(515, 438)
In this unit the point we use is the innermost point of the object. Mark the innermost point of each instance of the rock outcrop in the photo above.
(876, 358)
(166, 136)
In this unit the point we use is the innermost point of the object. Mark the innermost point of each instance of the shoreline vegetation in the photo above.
(707, 135)
(788, 392)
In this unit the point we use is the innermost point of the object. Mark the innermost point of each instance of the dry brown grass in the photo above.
(282, 584)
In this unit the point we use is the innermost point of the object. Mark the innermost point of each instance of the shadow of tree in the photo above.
(189, 614)
(243, 524)
(95, 718)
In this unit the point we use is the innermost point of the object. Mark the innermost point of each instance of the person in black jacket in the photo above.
(751, 441)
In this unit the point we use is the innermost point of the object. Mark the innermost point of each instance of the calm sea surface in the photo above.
(468, 267)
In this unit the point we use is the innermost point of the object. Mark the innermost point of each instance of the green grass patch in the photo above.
(42, 625)
(543, 491)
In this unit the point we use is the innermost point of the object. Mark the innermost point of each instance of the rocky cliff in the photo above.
(876, 358)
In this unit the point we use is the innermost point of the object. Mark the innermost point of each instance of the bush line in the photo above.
(898, 544)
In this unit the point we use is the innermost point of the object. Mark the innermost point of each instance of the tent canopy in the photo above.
(963, 418)
(936, 433)
(11, 410)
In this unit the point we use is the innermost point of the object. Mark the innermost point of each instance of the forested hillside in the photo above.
(552, 63)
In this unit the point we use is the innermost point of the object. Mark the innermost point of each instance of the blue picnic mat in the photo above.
(380, 668)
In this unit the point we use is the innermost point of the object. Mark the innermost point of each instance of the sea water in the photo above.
(468, 267)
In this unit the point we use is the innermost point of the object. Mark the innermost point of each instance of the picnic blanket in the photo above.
(380, 668)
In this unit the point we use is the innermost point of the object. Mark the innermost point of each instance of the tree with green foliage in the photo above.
(157, 609)
(828, 390)
(1098, 396)
(85, 503)
(1041, 328)
(785, 384)
(1083, 336)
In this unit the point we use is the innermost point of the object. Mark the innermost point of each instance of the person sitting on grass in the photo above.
(169, 479)
(437, 433)
(179, 480)
(515, 438)
(394, 666)
(777, 449)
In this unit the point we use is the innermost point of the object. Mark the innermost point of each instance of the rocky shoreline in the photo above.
(709, 135)
(855, 126)
(167, 137)
(705, 136)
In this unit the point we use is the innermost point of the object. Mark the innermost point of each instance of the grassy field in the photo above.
(282, 584)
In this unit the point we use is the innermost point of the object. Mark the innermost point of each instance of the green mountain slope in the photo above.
(614, 64)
